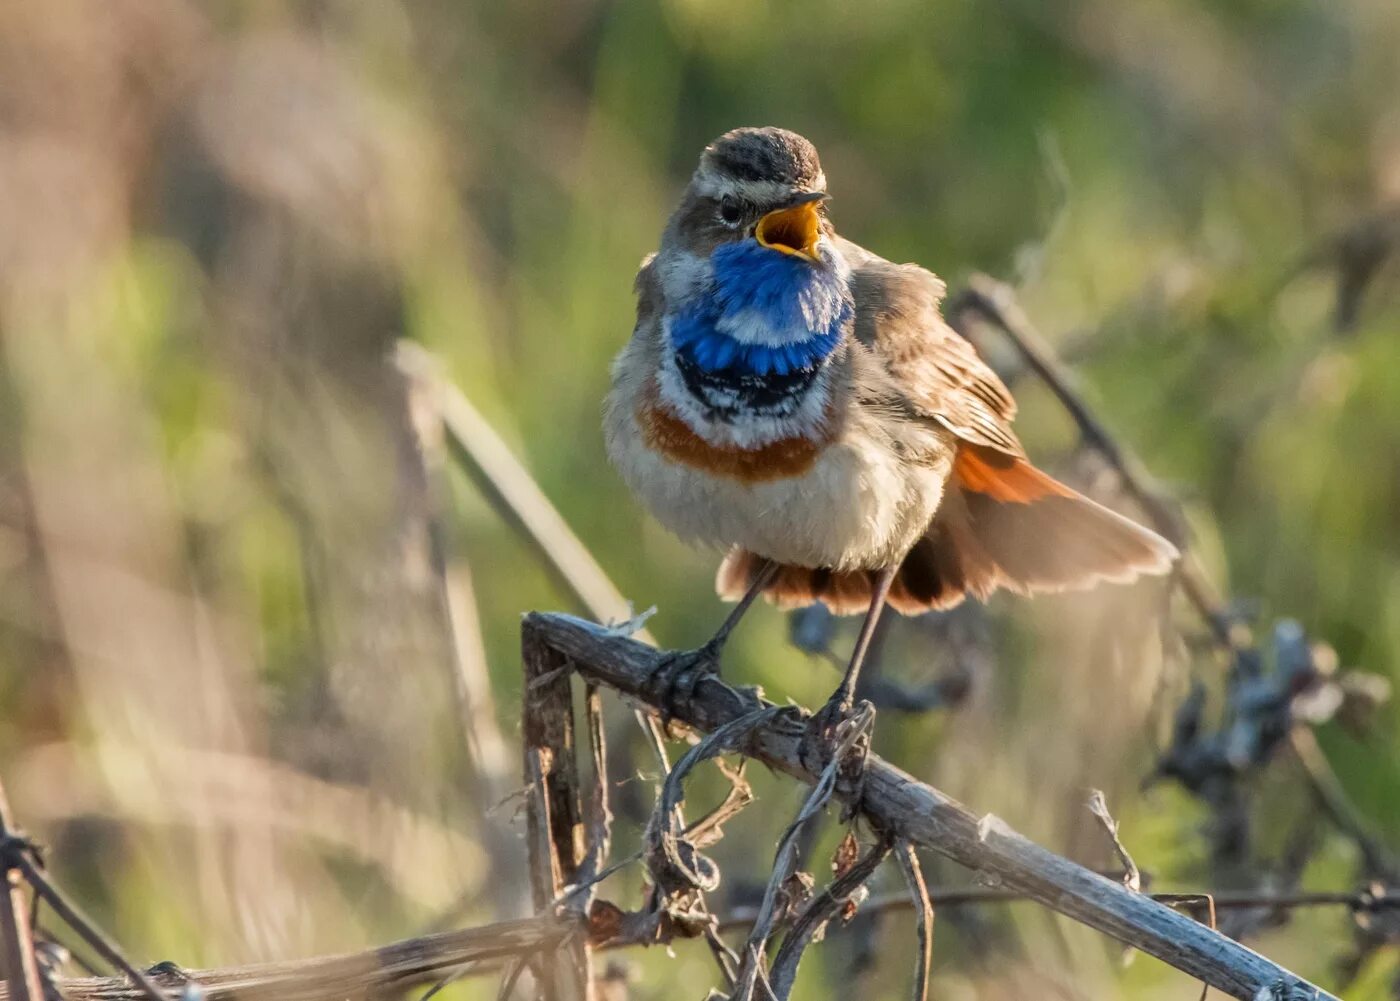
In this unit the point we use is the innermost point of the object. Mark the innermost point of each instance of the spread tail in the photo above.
(1003, 524)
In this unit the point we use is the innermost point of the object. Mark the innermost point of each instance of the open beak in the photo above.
(794, 229)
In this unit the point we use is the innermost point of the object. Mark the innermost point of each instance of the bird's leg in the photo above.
(715, 645)
(841, 701)
(681, 670)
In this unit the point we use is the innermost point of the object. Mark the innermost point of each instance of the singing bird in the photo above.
(800, 402)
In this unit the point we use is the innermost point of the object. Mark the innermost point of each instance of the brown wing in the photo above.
(938, 371)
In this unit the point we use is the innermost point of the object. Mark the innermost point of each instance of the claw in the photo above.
(169, 970)
(824, 740)
(679, 672)
(828, 718)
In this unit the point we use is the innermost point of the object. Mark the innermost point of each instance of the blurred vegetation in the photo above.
(228, 701)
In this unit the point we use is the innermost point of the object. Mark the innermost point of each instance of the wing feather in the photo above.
(938, 371)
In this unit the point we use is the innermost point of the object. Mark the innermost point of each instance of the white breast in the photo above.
(862, 504)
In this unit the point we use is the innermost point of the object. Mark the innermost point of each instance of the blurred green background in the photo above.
(226, 579)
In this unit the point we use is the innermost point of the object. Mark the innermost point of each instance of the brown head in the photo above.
(765, 183)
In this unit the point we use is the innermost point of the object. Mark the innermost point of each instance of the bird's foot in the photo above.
(169, 971)
(679, 673)
(840, 732)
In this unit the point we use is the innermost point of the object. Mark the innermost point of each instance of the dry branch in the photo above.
(512, 492)
(1358, 901)
(554, 808)
(517, 498)
(20, 968)
(429, 958)
(814, 917)
(1328, 789)
(775, 895)
(488, 754)
(923, 907)
(75, 919)
(359, 976)
(895, 802)
(996, 303)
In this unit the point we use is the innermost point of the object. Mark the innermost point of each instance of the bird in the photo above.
(800, 403)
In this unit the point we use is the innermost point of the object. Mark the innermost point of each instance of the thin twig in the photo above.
(725, 958)
(1098, 806)
(680, 874)
(995, 301)
(72, 916)
(819, 910)
(476, 710)
(599, 834)
(704, 831)
(710, 828)
(451, 977)
(381, 971)
(21, 966)
(923, 906)
(850, 732)
(512, 976)
(510, 489)
(1357, 900)
(1357, 252)
(76, 958)
(1333, 798)
(388, 969)
(671, 866)
(1193, 900)
(513, 492)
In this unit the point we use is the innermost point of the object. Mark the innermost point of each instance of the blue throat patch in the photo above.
(806, 306)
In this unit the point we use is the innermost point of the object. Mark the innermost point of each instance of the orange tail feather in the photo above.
(1003, 524)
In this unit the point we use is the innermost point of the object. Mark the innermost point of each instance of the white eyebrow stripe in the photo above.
(712, 184)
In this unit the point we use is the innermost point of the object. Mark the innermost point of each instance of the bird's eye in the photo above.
(731, 213)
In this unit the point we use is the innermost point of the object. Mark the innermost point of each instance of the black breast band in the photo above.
(734, 392)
